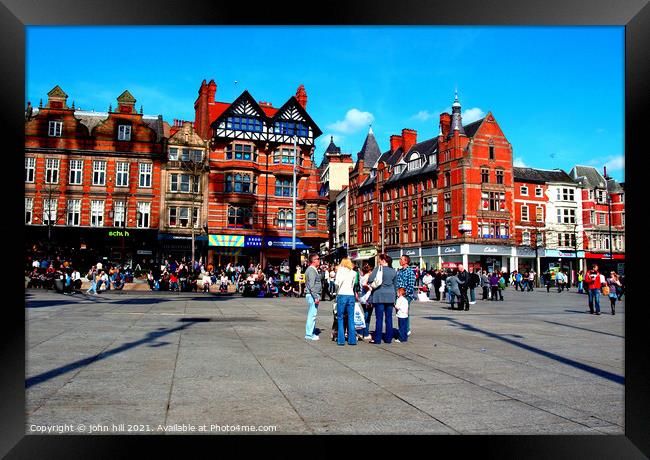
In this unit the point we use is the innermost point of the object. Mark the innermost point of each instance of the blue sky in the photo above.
(557, 92)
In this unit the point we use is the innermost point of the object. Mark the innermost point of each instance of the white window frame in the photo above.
(196, 216)
(124, 132)
(73, 214)
(29, 210)
(145, 170)
(30, 169)
(99, 172)
(119, 214)
(182, 183)
(525, 238)
(184, 215)
(76, 167)
(539, 216)
(52, 170)
(521, 190)
(525, 216)
(539, 192)
(173, 182)
(50, 209)
(97, 213)
(173, 154)
(144, 221)
(55, 128)
(122, 169)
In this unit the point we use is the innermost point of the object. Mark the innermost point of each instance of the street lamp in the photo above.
(293, 224)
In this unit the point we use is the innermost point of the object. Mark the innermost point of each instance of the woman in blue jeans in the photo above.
(345, 281)
(383, 298)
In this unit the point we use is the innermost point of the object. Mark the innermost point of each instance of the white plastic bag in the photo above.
(359, 319)
(364, 299)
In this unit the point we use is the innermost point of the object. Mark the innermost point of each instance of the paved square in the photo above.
(535, 363)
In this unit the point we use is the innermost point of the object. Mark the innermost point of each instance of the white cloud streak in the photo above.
(354, 121)
(519, 163)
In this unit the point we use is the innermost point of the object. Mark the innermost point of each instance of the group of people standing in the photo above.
(459, 286)
(381, 290)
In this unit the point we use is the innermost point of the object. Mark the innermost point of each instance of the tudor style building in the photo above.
(443, 201)
(250, 189)
(92, 181)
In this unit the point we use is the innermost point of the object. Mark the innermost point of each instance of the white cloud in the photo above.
(353, 122)
(519, 163)
(473, 114)
(612, 162)
(423, 115)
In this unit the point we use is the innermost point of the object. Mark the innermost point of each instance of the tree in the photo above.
(196, 165)
(53, 214)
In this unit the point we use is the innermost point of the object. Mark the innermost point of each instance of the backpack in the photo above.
(502, 283)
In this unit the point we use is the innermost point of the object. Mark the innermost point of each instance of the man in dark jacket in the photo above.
(474, 282)
(463, 277)
(437, 282)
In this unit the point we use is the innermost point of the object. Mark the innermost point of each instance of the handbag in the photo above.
(378, 279)
(359, 319)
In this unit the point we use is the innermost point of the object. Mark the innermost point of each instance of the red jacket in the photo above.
(593, 279)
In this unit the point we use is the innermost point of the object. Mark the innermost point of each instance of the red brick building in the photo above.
(442, 201)
(596, 192)
(250, 186)
(92, 181)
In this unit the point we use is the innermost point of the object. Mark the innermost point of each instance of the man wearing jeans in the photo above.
(593, 282)
(313, 289)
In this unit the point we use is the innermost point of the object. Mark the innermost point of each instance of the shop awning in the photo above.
(283, 242)
(232, 241)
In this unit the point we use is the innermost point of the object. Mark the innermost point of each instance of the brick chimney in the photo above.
(395, 142)
(201, 111)
(301, 95)
(445, 122)
(409, 139)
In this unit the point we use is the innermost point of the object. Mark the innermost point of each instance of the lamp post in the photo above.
(609, 212)
(293, 216)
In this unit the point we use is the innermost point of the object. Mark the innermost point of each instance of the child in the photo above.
(402, 307)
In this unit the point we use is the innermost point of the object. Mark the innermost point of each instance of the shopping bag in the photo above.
(359, 320)
(364, 299)
(423, 297)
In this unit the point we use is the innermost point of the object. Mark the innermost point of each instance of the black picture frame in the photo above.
(633, 14)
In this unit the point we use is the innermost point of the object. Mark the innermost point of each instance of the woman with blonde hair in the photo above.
(346, 295)
(613, 283)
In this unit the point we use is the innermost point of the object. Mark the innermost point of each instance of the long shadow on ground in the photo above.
(570, 362)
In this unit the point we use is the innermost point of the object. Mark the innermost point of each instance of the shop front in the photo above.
(430, 258)
(364, 255)
(526, 259)
(178, 247)
(414, 254)
(252, 249)
(450, 257)
(555, 260)
(489, 257)
(606, 262)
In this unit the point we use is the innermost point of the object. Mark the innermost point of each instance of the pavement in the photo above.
(141, 362)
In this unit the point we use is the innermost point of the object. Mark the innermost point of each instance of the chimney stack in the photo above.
(409, 139)
(445, 122)
(395, 142)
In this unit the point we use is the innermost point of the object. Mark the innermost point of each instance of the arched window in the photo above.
(312, 221)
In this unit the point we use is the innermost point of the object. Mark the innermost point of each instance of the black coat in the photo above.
(474, 280)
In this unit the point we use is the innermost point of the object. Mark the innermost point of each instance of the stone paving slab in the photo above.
(533, 364)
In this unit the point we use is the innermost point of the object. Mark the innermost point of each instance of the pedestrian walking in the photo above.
(463, 277)
(613, 284)
(502, 286)
(383, 298)
(474, 282)
(453, 284)
(92, 277)
(580, 282)
(437, 283)
(594, 283)
(485, 285)
(313, 290)
(345, 281)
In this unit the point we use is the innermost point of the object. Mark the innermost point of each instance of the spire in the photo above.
(370, 152)
(370, 129)
(110, 108)
(73, 105)
(141, 110)
(456, 118)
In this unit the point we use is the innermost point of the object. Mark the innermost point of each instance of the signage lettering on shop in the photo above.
(449, 250)
(410, 252)
(118, 233)
(490, 250)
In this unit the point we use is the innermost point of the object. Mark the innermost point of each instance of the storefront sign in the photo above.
(411, 252)
(490, 250)
(284, 243)
(253, 242)
(144, 252)
(122, 233)
(607, 256)
(528, 252)
(449, 265)
(450, 250)
(171, 236)
(230, 241)
(565, 254)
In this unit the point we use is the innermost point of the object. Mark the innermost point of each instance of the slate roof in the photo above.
(541, 176)
(614, 187)
(592, 178)
(424, 148)
(370, 152)
(332, 148)
(471, 128)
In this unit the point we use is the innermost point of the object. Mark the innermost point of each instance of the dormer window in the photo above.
(55, 128)
(432, 159)
(289, 128)
(244, 124)
(124, 133)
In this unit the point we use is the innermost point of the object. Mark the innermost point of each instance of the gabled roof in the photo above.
(592, 178)
(217, 109)
(471, 128)
(424, 148)
(542, 176)
(293, 102)
(126, 97)
(613, 186)
(57, 92)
